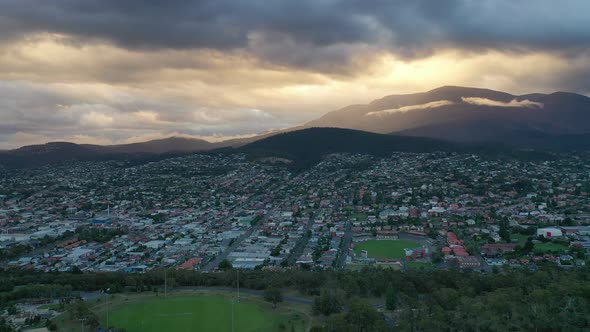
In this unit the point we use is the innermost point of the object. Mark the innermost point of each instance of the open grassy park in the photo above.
(388, 249)
(359, 216)
(194, 312)
(549, 247)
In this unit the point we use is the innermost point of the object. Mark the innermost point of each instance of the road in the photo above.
(298, 249)
(344, 244)
(215, 262)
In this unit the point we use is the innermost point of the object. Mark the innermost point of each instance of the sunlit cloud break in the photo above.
(497, 103)
(403, 109)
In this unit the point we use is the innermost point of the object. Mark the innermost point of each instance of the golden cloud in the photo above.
(403, 109)
(497, 103)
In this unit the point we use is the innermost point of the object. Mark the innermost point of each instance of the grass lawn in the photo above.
(541, 248)
(50, 306)
(359, 216)
(194, 312)
(390, 249)
(519, 238)
(419, 265)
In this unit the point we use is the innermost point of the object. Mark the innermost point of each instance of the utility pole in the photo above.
(238, 271)
(232, 315)
(165, 283)
(107, 292)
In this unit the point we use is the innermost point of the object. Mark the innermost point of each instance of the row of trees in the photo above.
(79, 310)
(101, 235)
(35, 291)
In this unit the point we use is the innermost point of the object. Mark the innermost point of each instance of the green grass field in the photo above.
(50, 306)
(390, 249)
(519, 238)
(199, 313)
(359, 216)
(549, 247)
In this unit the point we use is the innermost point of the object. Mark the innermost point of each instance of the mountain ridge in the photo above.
(454, 114)
(558, 113)
(307, 146)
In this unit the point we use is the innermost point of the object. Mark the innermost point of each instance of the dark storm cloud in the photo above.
(313, 29)
(215, 24)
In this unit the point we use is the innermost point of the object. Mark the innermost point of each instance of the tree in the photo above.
(79, 310)
(390, 299)
(504, 230)
(528, 246)
(361, 317)
(5, 326)
(225, 265)
(432, 234)
(273, 295)
(11, 310)
(51, 326)
(326, 304)
(76, 270)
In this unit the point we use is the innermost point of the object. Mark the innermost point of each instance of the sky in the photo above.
(111, 71)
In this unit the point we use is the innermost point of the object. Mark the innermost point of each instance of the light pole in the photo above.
(108, 290)
(232, 314)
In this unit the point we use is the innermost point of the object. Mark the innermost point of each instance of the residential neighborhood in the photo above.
(193, 212)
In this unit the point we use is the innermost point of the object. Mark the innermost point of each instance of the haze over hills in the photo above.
(463, 115)
(165, 145)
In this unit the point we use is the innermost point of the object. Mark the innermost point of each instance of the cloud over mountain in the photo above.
(432, 104)
(498, 103)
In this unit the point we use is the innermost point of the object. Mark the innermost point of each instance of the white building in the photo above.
(549, 232)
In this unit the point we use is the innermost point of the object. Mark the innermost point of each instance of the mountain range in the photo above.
(470, 115)
(307, 146)
(448, 117)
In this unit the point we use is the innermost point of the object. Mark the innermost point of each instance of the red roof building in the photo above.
(191, 263)
(446, 251)
(452, 239)
(460, 251)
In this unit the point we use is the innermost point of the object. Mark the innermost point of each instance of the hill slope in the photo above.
(308, 146)
(41, 154)
(171, 144)
(468, 115)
